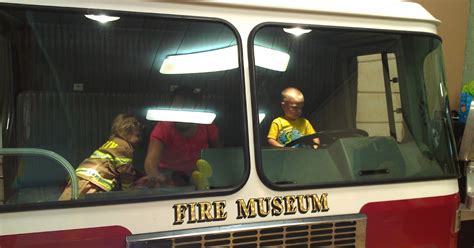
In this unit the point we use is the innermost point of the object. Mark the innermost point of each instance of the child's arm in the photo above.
(310, 130)
(274, 143)
(122, 154)
(272, 135)
(127, 176)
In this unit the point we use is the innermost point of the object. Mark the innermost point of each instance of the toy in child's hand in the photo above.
(200, 177)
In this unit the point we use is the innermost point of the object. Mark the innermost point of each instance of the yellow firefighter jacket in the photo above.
(110, 166)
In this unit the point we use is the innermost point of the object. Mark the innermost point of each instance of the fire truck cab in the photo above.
(383, 172)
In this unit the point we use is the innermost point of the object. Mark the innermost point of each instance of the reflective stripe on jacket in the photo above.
(108, 165)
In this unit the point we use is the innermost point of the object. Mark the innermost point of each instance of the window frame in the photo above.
(257, 129)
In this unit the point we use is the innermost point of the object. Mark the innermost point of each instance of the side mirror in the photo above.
(466, 154)
(469, 201)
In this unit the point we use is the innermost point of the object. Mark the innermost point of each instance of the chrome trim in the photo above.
(457, 220)
(466, 152)
(330, 230)
(465, 214)
(49, 154)
(469, 198)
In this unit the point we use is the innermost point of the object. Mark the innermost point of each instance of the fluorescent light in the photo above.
(271, 59)
(221, 60)
(261, 116)
(296, 31)
(102, 18)
(180, 116)
(208, 61)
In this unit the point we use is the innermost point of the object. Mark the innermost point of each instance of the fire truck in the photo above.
(380, 170)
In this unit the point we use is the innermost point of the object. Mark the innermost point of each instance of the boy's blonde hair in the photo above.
(291, 93)
(125, 125)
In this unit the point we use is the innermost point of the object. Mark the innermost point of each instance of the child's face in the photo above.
(293, 108)
(135, 138)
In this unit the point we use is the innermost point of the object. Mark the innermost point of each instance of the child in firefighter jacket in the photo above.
(110, 167)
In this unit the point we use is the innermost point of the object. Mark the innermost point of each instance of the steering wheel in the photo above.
(327, 137)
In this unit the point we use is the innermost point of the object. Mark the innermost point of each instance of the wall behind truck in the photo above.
(453, 15)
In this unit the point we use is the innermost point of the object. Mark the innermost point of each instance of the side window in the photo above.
(133, 105)
(340, 106)
(434, 78)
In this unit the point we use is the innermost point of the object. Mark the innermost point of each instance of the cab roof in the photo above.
(386, 9)
(390, 9)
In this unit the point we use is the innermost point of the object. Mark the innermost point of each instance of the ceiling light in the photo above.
(198, 117)
(296, 31)
(102, 18)
(208, 61)
(221, 60)
(271, 59)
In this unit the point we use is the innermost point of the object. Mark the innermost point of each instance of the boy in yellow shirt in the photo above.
(291, 125)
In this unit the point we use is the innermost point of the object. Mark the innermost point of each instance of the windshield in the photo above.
(351, 106)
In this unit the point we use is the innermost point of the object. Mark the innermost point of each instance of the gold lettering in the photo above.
(192, 212)
(319, 204)
(179, 211)
(246, 210)
(263, 211)
(289, 204)
(263, 206)
(205, 211)
(324, 202)
(302, 204)
(219, 212)
(277, 206)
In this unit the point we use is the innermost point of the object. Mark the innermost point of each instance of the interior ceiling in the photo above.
(127, 54)
(119, 54)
